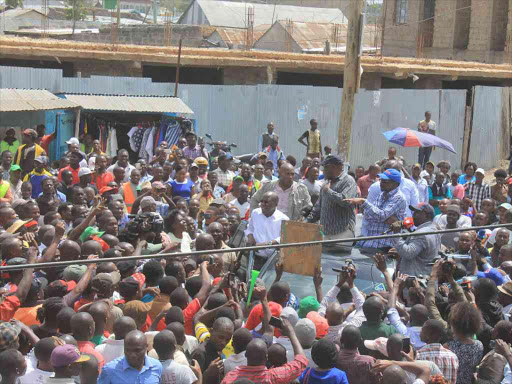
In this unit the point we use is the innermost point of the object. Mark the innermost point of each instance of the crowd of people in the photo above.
(172, 317)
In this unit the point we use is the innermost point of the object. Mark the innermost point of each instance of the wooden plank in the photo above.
(300, 260)
(467, 135)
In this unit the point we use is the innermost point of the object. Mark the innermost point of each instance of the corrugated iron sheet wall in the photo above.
(240, 113)
(486, 134)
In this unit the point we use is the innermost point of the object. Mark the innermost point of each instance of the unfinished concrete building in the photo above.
(469, 30)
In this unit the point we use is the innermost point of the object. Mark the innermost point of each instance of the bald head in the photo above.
(394, 375)
(373, 308)
(123, 326)
(350, 337)
(82, 325)
(334, 314)
(164, 344)
(179, 332)
(256, 353)
(205, 242)
(69, 250)
(135, 338)
(99, 312)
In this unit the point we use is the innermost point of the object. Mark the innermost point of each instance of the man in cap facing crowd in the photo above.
(335, 214)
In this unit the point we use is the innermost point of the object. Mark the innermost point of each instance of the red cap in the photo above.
(141, 279)
(322, 327)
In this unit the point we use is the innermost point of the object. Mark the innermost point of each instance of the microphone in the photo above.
(408, 223)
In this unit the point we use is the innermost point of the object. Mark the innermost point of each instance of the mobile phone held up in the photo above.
(406, 345)
(276, 322)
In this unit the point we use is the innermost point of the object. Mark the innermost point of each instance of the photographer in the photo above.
(442, 270)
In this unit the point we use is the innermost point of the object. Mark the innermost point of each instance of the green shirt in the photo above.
(151, 249)
(372, 331)
(98, 339)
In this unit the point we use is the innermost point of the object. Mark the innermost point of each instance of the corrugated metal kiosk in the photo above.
(103, 114)
(27, 108)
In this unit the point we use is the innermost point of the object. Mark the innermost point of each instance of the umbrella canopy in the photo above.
(411, 138)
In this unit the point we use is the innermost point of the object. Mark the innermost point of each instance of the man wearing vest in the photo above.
(28, 151)
(9, 143)
(5, 192)
(129, 189)
(313, 144)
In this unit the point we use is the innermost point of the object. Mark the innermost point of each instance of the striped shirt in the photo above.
(446, 360)
(387, 204)
(335, 215)
(477, 193)
(261, 374)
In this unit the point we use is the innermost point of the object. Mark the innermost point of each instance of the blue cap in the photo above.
(226, 156)
(391, 174)
(492, 274)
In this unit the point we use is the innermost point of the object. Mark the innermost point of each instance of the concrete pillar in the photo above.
(371, 81)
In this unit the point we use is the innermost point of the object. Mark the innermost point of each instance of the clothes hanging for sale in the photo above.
(112, 150)
(163, 130)
(142, 153)
(131, 135)
(150, 144)
(173, 133)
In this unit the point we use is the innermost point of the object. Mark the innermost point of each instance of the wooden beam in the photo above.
(351, 76)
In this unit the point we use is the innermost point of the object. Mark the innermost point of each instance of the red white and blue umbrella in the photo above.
(411, 138)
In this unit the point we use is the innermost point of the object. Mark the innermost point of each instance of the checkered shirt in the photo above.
(446, 360)
(224, 178)
(388, 204)
(477, 193)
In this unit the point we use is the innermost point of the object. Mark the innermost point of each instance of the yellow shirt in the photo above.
(314, 141)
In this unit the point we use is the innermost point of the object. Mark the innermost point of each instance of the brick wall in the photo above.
(401, 39)
(480, 27)
(145, 35)
(444, 23)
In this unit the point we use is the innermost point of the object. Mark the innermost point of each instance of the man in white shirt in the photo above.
(407, 187)
(164, 344)
(113, 347)
(123, 162)
(38, 362)
(421, 183)
(242, 203)
(426, 126)
(265, 227)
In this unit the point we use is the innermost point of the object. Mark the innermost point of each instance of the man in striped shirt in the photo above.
(256, 369)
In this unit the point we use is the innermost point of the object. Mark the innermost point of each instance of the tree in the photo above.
(14, 3)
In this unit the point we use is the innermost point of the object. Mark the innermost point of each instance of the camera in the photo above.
(142, 223)
(466, 285)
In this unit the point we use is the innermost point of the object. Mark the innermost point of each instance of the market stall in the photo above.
(114, 119)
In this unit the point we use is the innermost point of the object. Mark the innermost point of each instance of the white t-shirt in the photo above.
(241, 207)
(34, 375)
(111, 349)
(174, 373)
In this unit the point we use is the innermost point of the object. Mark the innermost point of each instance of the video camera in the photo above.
(446, 267)
(143, 223)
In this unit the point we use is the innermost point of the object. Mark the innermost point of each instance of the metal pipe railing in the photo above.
(254, 248)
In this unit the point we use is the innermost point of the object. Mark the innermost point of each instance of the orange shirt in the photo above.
(102, 180)
(45, 142)
(27, 315)
(76, 179)
(8, 307)
(256, 315)
(188, 313)
(88, 347)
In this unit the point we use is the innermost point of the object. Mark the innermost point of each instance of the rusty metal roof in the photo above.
(237, 36)
(17, 100)
(140, 104)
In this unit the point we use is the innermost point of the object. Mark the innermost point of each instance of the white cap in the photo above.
(379, 344)
(424, 173)
(92, 163)
(73, 140)
(305, 330)
(480, 170)
(84, 171)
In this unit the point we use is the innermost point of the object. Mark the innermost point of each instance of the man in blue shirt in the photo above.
(134, 366)
(389, 207)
